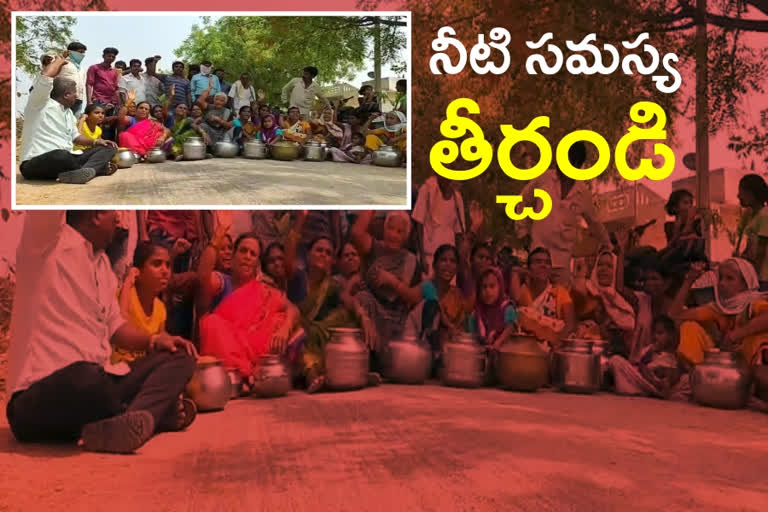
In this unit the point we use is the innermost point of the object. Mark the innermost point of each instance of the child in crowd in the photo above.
(90, 123)
(355, 152)
(495, 314)
(269, 132)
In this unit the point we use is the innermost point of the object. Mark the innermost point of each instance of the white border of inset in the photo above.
(14, 206)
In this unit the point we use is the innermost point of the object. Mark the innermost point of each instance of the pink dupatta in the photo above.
(142, 136)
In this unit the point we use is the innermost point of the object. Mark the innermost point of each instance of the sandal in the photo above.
(181, 418)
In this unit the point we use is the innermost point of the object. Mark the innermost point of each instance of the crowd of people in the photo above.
(76, 119)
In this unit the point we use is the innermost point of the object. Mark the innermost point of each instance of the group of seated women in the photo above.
(287, 298)
(350, 136)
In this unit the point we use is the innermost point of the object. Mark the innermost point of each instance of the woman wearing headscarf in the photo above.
(736, 320)
(328, 130)
(494, 312)
(394, 133)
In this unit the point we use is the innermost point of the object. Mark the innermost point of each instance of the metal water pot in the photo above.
(236, 380)
(722, 380)
(156, 156)
(271, 378)
(125, 158)
(315, 151)
(210, 387)
(225, 149)
(194, 149)
(255, 149)
(408, 361)
(577, 367)
(285, 150)
(346, 360)
(387, 156)
(522, 365)
(464, 362)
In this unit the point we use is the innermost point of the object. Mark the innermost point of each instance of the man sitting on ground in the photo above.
(65, 316)
(50, 130)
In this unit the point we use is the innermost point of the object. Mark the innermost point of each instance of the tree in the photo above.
(275, 49)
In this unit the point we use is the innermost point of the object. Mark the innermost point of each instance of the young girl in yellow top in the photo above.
(139, 296)
(90, 123)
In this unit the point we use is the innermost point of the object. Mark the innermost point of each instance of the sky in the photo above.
(148, 36)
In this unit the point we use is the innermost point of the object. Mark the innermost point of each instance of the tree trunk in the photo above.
(377, 58)
(702, 115)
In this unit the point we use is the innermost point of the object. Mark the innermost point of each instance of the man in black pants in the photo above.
(50, 130)
(65, 319)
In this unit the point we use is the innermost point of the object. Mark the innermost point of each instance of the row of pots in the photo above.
(722, 380)
(195, 149)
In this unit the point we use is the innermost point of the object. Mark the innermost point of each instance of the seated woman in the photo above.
(216, 122)
(248, 316)
(326, 307)
(282, 275)
(181, 129)
(269, 133)
(348, 268)
(470, 267)
(394, 133)
(685, 242)
(90, 123)
(494, 314)
(602, 310)
(737, 320)
(545, 309)
(294, 129)
(142, 133)
(655, 371)
(141, 305)
(196, 113)
(355, 152)
(442, 312)
(158, 114)
(329, 131)
(391, 288)
(243, 129)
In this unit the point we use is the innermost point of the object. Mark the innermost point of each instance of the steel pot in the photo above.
(522, 365)
(125, 158)
(255, 149)
(387, 156)
(225, 149)
(408, 361)
(285, 150)
(315, 152)
(464, 362)
(210, 387)
(577, 367)
(156, 156)
(346, 360)
(271, 378)
(237, 383)
(722, 380)
(194, 149)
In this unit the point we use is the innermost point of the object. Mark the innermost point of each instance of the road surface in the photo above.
(228, 181)
(427, 448)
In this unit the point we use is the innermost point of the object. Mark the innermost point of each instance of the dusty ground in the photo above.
(416, 448)
(228, 181)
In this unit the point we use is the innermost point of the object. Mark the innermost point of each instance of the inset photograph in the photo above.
(201, 110)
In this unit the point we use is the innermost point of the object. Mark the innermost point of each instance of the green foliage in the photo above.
(276, 49)
(37, 35)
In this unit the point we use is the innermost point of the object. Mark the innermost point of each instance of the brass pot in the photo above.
(210, 387)
(285, 150)
(522, 365)
(271, 378)
(722, 380)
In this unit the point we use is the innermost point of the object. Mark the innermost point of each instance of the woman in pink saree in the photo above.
(143, 133)
(249, 318)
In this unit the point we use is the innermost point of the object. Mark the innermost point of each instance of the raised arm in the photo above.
(210, 284)
(292, 240)
(361, 238)
(677, 309)
(286, 92)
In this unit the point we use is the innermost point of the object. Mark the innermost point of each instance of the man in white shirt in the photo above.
(50, 130)
(439, 212)
(242, 93)
(301, 92)
(134, 81)
(571, 201)
(65, 320)
(72, 71)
